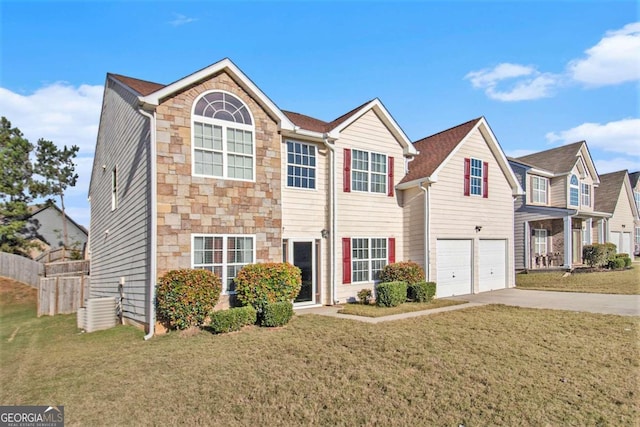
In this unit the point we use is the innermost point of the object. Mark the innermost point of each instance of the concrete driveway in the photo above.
(625, 305)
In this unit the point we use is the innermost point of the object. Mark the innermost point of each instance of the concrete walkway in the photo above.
(624, 305)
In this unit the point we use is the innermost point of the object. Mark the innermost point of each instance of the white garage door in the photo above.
(454, 268)
(493, 265)
(626, 244)
(614, 237)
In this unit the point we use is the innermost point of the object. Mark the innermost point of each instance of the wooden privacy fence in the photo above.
(67, 268)
(21, 269)
(62, 295)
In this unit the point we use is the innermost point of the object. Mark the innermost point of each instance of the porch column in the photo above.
(568, 245)
(589, 233)
(527, 245)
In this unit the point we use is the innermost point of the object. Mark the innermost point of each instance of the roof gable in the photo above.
(562, 160)
(608, 193)
(436, 150)
(140, 87)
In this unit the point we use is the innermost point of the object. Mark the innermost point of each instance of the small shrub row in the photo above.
(619, 261)
(276, 314)
(232, 319)
(408, 272)
(421, 292)
(391, 294)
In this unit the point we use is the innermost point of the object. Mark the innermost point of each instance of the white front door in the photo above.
(454, 267)
(492, 269)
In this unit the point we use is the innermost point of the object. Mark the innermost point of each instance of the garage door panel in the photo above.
(454, 267)
(492, 269)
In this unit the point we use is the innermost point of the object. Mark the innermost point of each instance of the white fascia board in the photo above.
(586, 158)
(225, 64)
(302, 133)
(388, 121)
(540, 172)
(417, 182)
(498, 153)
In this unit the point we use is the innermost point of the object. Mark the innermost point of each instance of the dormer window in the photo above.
(574, 191)
(223, 137)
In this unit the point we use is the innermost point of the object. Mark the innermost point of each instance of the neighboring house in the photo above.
(207, 172)
(458, 199)
(50, 231)
(556, 216)
(634, 182)
(615, 197)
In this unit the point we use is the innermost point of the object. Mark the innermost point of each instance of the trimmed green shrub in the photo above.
(598, 255)
(408, 272)
(276, 314)
(421, 292)
(616, 263)
(626, 258)
(391, 294)
(232, 319)
(364, 296)
(260, 284)
(185, 298)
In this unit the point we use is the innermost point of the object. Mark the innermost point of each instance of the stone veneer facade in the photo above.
(189, 204)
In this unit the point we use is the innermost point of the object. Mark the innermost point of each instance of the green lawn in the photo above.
(491, 365)
(372, 310)
(602, 282)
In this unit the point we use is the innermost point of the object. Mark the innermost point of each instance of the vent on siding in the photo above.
(99, 314)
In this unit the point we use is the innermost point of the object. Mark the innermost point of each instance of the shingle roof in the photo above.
(317, 125)
(434, 150)
(556, 160)
(143, 87)
(633, 178)
(606, 195)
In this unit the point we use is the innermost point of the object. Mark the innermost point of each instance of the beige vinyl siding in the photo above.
(305, 213)
(414, 216)
(622, 220)
(455, 216)
(559, 195)
(367, 214)
(120, 238)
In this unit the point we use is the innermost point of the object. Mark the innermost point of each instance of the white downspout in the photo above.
(333, 214)
(427, 231)
(154, 234)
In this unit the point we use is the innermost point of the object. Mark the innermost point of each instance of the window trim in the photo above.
(585, 194)
(370, 278)
(537, 191)
(478, 177)
(536, 242)
(225, 125)
(575, 187)
(315, 167)
(225, 264)
(369, 172)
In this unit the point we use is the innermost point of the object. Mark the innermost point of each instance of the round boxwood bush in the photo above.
(408, 272)
(261, 284)
(185, 298)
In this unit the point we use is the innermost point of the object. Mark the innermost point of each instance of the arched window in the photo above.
(574, 191)
(223, 137)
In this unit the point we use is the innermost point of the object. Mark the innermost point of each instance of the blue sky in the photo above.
(542, 73)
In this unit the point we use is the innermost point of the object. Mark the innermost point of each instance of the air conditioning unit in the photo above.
(99, 314)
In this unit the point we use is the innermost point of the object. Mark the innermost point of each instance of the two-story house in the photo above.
(207, 172)
(615, 197)
(556, 216)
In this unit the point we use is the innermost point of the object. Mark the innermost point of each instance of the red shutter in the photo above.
(392, 250)
(485, 180)
(390, 176)
(346, 260)
(346, 178)
(467, 175)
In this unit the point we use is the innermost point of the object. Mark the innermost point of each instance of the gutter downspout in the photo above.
(154, 234)
(427, 230)
(333, 214)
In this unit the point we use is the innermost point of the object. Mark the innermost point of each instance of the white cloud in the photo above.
(632, 164)
(522, 82)
(181, 20)
(622, 136)
(66, 115)
(614, 60)
(519, 152)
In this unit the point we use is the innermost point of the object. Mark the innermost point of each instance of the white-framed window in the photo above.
(637, 238)
(586, 194)
(475, 177)
(223, 137)
(114, 189)
(301, 165)
(539, 186)
(574, 191)
(224, 255)
(540, 241)
(636, 196)
(368, 172)
(368, 258)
